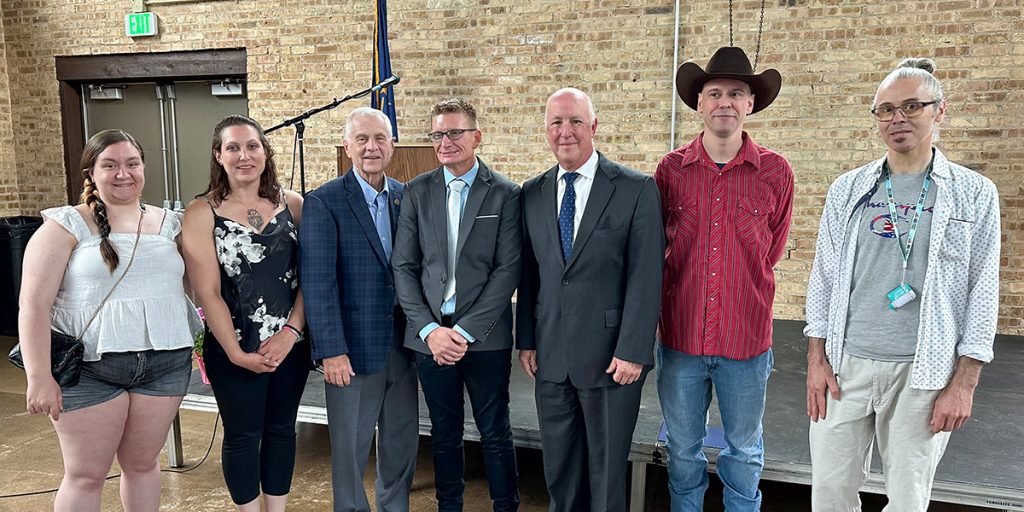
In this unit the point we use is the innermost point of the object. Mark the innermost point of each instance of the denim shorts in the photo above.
(150, 372)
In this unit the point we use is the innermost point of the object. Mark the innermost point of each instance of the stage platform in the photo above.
(983, 465)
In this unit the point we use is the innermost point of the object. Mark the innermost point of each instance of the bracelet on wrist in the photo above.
(294, 330)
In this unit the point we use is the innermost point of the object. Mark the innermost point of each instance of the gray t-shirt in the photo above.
(874, 331)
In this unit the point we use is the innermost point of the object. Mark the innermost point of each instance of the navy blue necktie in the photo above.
(567, 214)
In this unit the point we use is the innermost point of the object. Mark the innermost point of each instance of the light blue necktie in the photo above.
(567, 214)
(454, 217)
(380, 221)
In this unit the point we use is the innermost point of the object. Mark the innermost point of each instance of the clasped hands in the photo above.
(269, 355)
(447, 345)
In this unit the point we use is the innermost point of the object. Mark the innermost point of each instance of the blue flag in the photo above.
(384, 99)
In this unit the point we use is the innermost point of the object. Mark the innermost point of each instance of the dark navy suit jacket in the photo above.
(347, 286)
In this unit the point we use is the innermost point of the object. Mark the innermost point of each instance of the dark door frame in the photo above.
(75, 70)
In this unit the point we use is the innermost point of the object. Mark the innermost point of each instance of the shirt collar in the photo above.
(587, 170)
(369, 193)
(469, 177)
(747, 153)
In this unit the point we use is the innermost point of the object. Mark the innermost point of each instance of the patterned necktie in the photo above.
(567, 214)
(454, 217)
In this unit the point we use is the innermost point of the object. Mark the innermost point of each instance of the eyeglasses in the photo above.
(909, 109)
(453, 134)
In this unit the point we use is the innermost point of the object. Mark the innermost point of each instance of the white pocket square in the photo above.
(487, 216)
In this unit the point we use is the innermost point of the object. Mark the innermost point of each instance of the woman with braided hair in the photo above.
(109, 271)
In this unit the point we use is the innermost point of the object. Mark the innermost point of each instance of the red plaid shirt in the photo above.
(725, 230)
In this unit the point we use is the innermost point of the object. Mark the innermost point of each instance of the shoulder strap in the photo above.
(163, 220)
(212, 209)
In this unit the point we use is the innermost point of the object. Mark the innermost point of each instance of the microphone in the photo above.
(392, 80)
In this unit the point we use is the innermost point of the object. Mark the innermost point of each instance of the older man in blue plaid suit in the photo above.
(356, 325)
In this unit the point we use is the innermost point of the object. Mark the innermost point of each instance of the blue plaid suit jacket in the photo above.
(347, 286)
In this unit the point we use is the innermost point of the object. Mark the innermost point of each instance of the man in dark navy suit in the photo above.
(456, 266)
(345, 245)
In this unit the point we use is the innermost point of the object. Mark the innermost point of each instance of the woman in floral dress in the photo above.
(241, 251)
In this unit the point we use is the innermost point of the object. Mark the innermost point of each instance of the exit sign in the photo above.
(140, 24)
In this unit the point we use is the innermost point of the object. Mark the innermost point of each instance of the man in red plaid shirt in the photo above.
(727, 204)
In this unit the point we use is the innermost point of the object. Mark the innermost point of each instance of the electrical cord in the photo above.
(295, 147)
(209, 449)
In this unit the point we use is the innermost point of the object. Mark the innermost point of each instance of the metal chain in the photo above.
(730, 22)
(760, 30)
(760, 27)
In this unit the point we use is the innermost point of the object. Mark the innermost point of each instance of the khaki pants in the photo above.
(876, 401)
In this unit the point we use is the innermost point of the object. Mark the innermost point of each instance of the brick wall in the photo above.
(508, 55)
(9, 204)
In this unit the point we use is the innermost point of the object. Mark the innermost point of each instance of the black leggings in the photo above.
(259, 411)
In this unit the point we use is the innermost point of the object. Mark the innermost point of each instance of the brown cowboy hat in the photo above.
(728, 62)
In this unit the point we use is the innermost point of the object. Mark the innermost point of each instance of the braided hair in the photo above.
(91, 195)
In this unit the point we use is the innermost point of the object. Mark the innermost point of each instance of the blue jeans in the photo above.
(684, 388)
(484, 375)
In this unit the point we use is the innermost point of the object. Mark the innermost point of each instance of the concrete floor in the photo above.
(30, 461)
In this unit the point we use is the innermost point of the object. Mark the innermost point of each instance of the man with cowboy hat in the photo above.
(726, 205)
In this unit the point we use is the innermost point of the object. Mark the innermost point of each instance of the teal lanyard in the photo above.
(905, 251)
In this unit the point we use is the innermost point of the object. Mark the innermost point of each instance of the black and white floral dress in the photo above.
(258, 276)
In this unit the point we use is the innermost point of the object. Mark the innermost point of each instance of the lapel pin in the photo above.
(396, 201)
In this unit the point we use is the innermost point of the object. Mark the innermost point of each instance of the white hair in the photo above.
(579, 95)
(366, 112)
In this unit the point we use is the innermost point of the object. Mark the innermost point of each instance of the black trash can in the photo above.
(14, 235)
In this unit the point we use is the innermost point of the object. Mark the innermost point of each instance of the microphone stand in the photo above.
(299, 122)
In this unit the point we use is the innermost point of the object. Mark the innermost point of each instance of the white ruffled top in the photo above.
(149, 309)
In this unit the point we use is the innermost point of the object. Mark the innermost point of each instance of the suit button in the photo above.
(565, 282)
(390, 316)
(442, 279)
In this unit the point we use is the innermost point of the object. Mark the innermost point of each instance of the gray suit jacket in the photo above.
(487, 270)
(605, 302)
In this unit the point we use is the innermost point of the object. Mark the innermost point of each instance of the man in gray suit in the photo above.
(456, 264)
(588, 306)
